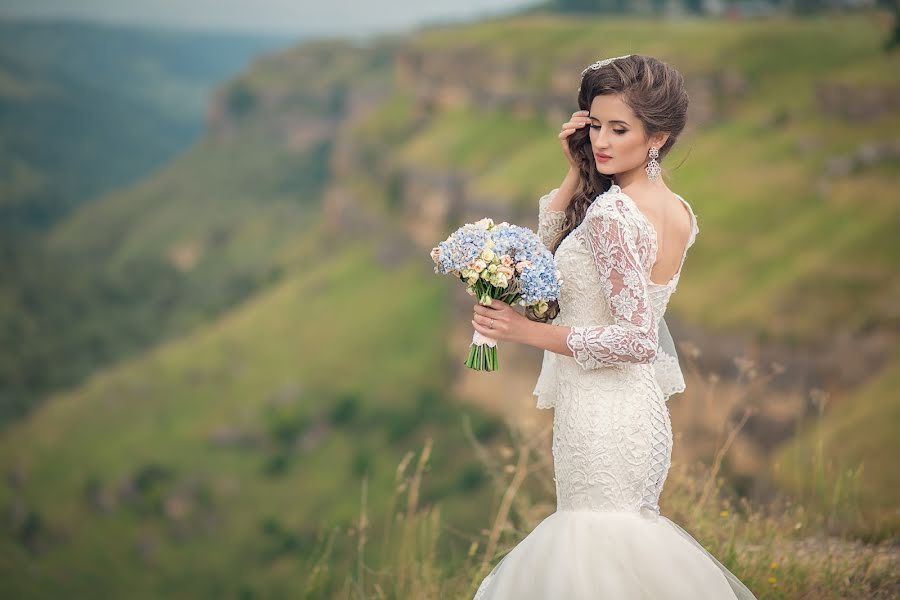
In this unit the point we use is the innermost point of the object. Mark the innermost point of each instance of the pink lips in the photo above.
(602, 157)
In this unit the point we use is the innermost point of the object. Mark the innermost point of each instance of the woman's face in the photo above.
(617, 133)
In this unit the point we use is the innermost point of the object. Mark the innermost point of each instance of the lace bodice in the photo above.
(607, 297)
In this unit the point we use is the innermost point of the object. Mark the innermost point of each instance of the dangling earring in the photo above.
(653, 170)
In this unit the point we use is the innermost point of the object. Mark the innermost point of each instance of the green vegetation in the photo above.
(252, 451)
(787, 253)
(225, 448)
(155, 260)
(88, 108)
(780, 552)
(849, 456)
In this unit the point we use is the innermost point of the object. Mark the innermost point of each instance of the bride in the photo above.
(620, 238)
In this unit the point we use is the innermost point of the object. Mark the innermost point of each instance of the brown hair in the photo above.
(656, 93)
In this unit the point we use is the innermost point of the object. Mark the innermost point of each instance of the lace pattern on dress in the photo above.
(550, 222)
(550, 225)
(668, 372)
(592, 295)
(617, 253)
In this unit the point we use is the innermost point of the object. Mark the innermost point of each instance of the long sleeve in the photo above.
(633, 338)
(550, 222)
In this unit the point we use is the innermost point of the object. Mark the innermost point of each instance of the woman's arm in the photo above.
(566, 191)
(552, 209)
(511, 325)
(632, 337)
(548, 336)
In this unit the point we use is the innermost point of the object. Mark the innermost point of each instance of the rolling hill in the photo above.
(211, 458)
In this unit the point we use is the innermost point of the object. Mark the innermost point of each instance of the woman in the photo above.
(620, 237)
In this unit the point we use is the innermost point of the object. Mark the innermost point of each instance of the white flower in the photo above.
(480, 266)
(487, 254)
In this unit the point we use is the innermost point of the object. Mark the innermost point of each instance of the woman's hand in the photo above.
(579, 119)
(508, 323)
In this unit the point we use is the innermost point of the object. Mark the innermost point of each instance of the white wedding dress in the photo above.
(612, 438)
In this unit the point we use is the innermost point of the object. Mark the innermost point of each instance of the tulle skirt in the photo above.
(587, 554)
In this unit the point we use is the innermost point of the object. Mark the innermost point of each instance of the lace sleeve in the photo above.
(633, 338)
(550, 222)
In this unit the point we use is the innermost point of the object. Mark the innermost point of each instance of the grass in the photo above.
(787, 548)
(829, 459)
(119, 487)
(274, 525)
(786, 253)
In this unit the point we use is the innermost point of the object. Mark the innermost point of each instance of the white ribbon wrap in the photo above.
(483, 340)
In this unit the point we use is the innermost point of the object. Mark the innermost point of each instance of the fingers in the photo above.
(580, 116)
(484, 314)
(579, 119)
(490, 322)
(484, 330)
(495, 306)
(481, 319)
(568, 131)
(483, 324)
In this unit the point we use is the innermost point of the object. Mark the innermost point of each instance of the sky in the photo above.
(357, 18)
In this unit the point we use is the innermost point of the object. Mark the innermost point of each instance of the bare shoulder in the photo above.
(663, 208)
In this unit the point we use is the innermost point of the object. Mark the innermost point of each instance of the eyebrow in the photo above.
(613, 121)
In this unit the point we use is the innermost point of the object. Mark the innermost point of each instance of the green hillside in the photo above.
(288, 361)
(150, 261)
(154, 259)
(852, 448)
(86, 108)
(784, 259)
(130, 483)
(788, 253)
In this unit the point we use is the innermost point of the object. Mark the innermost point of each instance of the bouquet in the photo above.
(504, 261)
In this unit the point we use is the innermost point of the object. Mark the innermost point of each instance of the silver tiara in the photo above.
(600, 64)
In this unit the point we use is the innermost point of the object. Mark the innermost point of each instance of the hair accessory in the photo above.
(602, 63)
(599, 65)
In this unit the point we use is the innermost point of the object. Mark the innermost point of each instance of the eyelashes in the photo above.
(619, 131)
